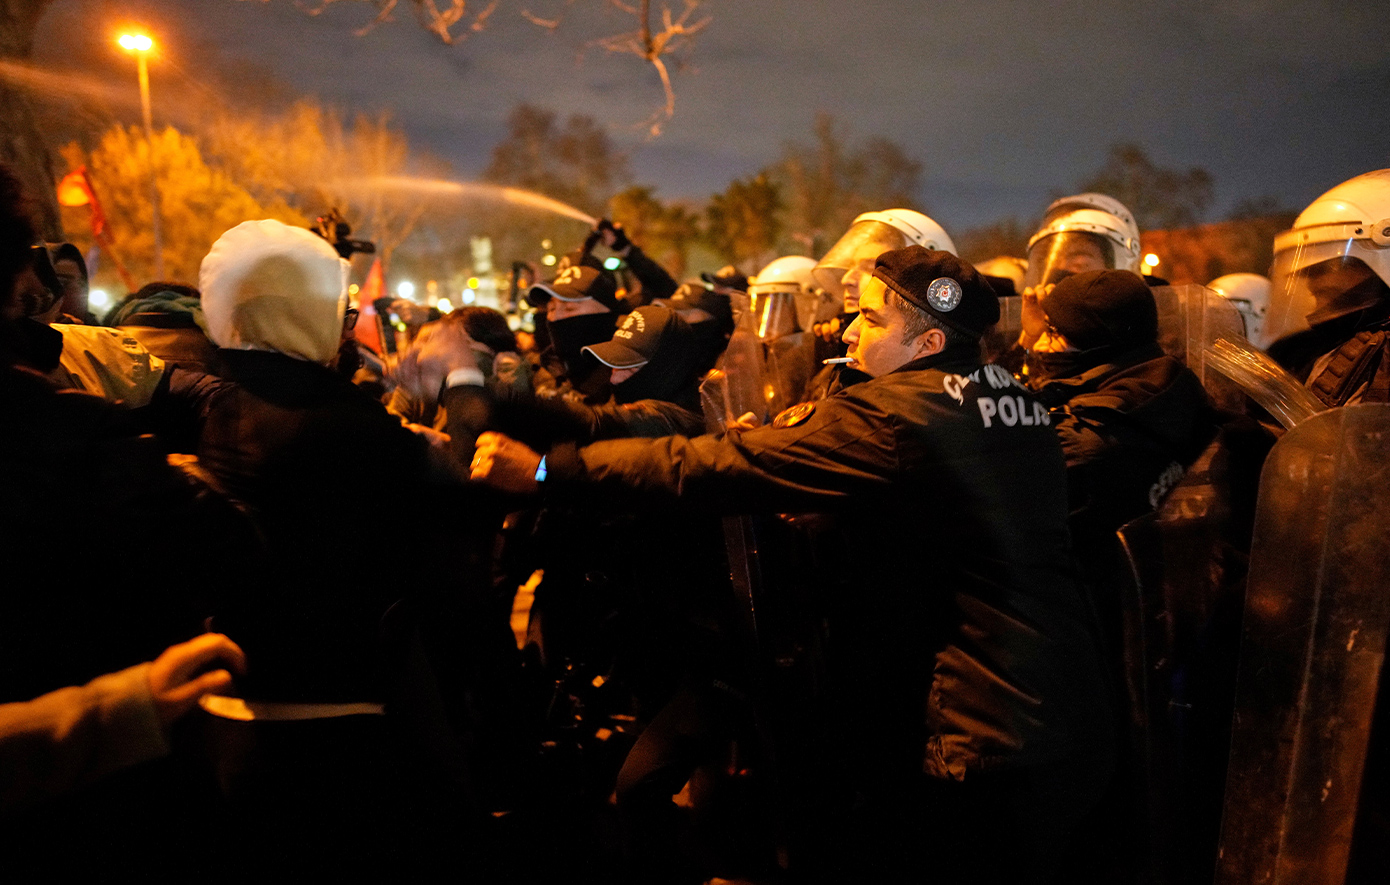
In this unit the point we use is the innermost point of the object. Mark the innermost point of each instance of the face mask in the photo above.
(570, 336)
(1050, 366)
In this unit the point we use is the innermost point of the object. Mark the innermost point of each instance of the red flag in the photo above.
(76, 190)
(368, 323)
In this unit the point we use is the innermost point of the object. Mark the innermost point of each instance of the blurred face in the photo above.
(859, 273)
(875, 338)
(74, 285)
(556, 309)
(1081, 254)
(620, 375)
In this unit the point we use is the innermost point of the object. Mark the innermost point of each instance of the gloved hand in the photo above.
(614, 237)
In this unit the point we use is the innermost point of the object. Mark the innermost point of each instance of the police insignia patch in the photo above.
(944, 294)
(794, 416)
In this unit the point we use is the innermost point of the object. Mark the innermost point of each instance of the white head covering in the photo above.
(269, 286)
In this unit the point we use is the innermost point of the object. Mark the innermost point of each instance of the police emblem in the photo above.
(944, 294)
(794, 416)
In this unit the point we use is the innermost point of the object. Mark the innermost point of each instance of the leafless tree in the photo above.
(452, 20)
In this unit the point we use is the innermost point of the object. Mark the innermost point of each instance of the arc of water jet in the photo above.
(513, 195)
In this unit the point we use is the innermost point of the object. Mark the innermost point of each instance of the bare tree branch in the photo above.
(676, 33)
(446, 20)
(439, 17)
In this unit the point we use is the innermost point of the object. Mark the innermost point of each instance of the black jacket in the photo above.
(328, 472)
(1129, 428)
(963, 642)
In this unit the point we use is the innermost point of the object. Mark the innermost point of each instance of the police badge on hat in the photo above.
(944, 294)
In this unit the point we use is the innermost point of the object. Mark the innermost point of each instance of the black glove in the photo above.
(620, 241)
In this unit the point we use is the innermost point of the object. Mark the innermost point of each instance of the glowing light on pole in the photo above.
(1151, 261)
(141, 44)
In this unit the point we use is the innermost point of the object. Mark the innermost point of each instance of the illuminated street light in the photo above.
(405, 289)
(1151, 261)
(141, 44)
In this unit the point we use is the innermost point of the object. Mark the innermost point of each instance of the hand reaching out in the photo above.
(505, 464)
(180, 675)
(1034, 319)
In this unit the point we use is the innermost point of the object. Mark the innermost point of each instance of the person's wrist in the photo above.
(464, 376)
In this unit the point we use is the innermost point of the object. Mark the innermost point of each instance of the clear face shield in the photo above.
(851, 260)
(1312, 282)
(1067, 252)
(775, 314)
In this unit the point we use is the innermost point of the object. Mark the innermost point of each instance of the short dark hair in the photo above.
(917, 322)
(485, 326)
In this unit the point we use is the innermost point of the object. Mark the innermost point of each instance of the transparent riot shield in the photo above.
(1263, 380)
(1313, 643)
(1004, 334)
(1190, 319)
(736, 386)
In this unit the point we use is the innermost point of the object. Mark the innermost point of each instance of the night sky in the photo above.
(1005, 103)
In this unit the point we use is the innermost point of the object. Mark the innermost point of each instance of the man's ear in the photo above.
(930, 342)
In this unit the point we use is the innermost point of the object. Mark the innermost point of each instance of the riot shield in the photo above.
(1179, 606)
(736, 385)
(1003, 334)
(1190, 319)
(1263, 380)
(1313, 641)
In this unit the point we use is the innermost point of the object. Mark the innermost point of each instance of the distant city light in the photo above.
(445, 305)
(1151, 260)
(353, 289)
(474, 282)
(548, 261)
(405, 289)
(545, 244)
(469, 296)
(99, 298)
(612, 262)
(136, 42)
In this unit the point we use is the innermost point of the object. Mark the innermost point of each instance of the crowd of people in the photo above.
(809, 576)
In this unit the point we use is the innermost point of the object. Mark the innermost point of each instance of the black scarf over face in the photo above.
(671, 375)
(569, 337)
(1044, 367)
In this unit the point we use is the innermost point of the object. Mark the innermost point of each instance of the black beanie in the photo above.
(1104, 308)
(942, 285)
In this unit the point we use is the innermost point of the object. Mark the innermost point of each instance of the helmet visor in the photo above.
(1062, 254)
(856, 250)
(775, 315)
(1312, 282)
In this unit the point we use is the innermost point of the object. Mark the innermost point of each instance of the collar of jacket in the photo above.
(952, 360)
(275, 376)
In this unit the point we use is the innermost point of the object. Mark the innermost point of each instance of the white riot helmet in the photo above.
(1249, 292)
(1328, 263)
(778, 293)
(1006, 267)
(872, 234)
(1083, 232)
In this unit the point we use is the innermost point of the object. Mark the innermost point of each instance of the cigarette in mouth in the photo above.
(837, 361)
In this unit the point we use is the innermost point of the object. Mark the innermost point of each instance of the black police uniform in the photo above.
(962, 647)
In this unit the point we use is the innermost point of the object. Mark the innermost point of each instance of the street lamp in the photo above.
(141, 44)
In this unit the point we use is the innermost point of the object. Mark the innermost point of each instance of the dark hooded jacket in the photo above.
(1129, 428)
